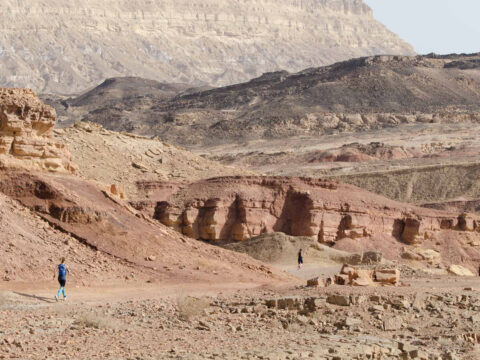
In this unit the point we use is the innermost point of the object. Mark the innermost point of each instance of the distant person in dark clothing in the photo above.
(300, 259)
(479, 270)
(62, 278)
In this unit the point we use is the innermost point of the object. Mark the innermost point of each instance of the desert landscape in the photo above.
(180, 155)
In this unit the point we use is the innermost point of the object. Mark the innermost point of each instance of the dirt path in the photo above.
(309, 271)
(147, 321)
(44, 293)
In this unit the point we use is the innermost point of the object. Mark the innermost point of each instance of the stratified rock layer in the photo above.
(26, 133)
(234, 209)
(79, 43)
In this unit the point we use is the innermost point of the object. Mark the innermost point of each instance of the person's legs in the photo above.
(59, 292)
(62, 289)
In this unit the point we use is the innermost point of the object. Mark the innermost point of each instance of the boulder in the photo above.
(341, 279)
(117, 190)
(459, 270)
(362, 278)
(387, 276)
(372, 257)
(410, 255)
(355, 277)
(289, 303)
(341, 300)
(347, 269)
(393, 323)
(315, 282)
(421, 254)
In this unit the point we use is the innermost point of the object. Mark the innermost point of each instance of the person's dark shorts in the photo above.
(62, 281)
(300, 261)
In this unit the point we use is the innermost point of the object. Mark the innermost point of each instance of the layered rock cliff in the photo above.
(26, 133)
(67, 46)
(234, 209)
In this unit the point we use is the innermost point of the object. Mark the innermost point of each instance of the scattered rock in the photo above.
(459, 270)
(315, 282)
(387, 276)
(342, 300)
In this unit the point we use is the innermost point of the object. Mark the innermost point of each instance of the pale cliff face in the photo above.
(67, 46)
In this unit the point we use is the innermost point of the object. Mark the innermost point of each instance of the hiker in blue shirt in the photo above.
(62, 278)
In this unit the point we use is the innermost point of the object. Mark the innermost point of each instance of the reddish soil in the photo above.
(102, 223)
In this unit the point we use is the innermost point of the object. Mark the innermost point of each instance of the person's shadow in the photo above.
(36, 297)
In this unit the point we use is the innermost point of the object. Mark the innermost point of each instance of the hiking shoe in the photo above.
(56, 297)
(65, 298)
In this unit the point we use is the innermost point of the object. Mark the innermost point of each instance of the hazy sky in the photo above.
(440, 26)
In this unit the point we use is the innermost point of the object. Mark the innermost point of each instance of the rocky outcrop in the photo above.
(26, 133)
(352, 276)
(234, 209)
(217, 42)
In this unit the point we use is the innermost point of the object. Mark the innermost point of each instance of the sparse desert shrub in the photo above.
(205, 264)
(95, 320)
(190, 307)
(211, 265)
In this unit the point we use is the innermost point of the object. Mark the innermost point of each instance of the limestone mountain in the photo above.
(65, 46)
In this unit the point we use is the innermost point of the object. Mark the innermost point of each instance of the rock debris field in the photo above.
(428, 318)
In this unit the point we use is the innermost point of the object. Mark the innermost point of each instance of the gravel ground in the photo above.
(427, 318)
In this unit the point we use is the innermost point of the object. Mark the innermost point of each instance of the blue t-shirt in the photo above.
(62, 271)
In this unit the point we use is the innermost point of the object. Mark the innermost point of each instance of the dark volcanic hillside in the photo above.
(117, 94)
(356, 95)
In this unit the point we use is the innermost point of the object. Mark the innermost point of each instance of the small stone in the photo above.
(393, 323)
(341, 300)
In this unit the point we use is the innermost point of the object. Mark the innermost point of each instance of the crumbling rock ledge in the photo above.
(236, 208)
(26, 140)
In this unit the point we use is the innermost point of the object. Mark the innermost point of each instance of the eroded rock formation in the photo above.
(90, 216)
(234, 209)
(26, 133)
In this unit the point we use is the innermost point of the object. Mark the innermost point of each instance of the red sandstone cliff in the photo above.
(236, 208)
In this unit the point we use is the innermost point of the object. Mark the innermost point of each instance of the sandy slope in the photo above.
(120, 158)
